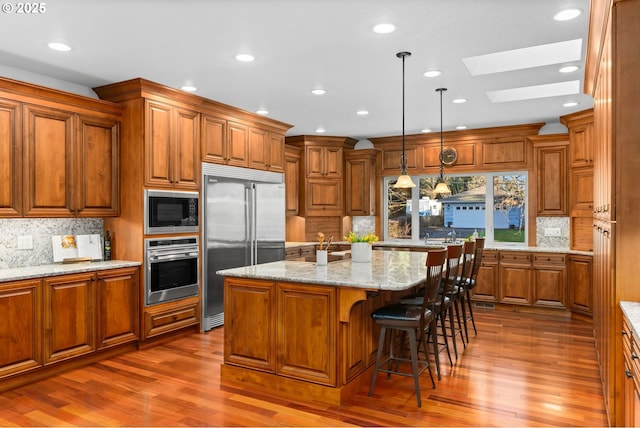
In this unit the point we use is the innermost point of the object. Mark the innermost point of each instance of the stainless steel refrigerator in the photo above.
(243, 224)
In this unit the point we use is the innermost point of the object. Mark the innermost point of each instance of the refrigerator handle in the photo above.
(253, 223)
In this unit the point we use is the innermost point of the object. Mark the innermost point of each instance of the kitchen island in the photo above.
(302, 330)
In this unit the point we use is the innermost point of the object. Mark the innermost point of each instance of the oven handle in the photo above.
(173, 257)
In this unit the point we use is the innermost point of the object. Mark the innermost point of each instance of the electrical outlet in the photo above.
(552, 231)
(25, 242)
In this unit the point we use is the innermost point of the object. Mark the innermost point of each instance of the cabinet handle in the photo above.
(628, 374)
(605, 232)
(634, 357)
(624, 333)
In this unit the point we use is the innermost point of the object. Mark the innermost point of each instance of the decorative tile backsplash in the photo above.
(40, 230)
(363, 224)
(552, 232)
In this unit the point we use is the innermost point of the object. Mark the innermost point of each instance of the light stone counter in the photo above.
(30, 272)
(388, 270)
(632, 311)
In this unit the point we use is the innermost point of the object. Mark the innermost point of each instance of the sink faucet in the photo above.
(426, 238)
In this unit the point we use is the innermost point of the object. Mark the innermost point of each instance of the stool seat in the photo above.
(401, 312)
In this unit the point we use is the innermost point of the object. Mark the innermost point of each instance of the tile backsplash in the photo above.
(552, 232)
(40, 230)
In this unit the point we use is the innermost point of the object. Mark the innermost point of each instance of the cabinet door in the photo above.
(549, 286)
(10, 159)
(118, 313)
(21, 328)
(551, 170)
(291, 177)
(69, 316)
(314, 164)
(486, 289)
(581, 138)
(238, 144)
(360, 187)
(333, 160)
(214, 139)
(97, 189)
(258, 149)
(306, 352)
(276, 152)
(515, 278)
(580, 289)
(49, 162)
(158, 144)
(185, 167)
(324, 197)
(249, 340)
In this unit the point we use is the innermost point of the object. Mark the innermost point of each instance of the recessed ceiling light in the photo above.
(59, 46)
(362, 113)
(461, 127)
(459, 101)
(570, 104)
(318, 91)
(567, 14)
(188, 88)
(432, 73)
(568, 69)
(245, 57)
(425, 130)
(384, 28)
(320, 130)
(262, 112)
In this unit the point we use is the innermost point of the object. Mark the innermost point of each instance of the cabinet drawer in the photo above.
(292, 253)
(549, 258)
(161, 322)
(489, 256)
(515, 257)
(308, 250)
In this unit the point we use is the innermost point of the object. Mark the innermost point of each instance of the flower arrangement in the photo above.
(369, 238)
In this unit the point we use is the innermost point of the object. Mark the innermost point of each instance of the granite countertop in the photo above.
(388, 270)
(632, 311)
(436, 244)
(30, 272)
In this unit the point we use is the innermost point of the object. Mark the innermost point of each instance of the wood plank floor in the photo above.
(520, 370)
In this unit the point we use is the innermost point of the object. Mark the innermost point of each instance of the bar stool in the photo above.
(473, 280)
(413, 320)
(468, 250)
(445, 305)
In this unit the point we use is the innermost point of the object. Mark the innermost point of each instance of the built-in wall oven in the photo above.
(171, 269)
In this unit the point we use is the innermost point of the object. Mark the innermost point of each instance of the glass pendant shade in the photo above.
(442, 188)
(404, 182)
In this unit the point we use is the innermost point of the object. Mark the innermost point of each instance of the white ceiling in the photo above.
(303, 44)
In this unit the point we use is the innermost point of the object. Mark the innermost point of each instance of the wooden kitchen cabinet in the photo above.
(68, 316)
(21, 328)
(486, 289)
(360, 182)
(515, 278)
(550, 163)
(549, 280)
(170, 317)
(631, 384)
(10, 159)
(580, 284)
(324, 161)
(117, 312)
(172, 151)
(266, 150)
(312, 309)
(224, 142)
(291, 179)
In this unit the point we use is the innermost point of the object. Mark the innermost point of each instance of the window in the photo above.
(463, 212)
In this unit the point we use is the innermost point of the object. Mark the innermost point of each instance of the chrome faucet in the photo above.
(426, 238)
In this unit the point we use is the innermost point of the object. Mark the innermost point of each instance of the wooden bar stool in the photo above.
(468, 250)
(413, 320)
(473, 280)
(445, 304)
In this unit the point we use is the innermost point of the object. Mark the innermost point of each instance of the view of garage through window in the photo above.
(492, 205)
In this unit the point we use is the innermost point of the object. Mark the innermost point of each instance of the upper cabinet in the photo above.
(172, 152)
(60, 153)
(360, 182)
(322, 185)
(550, 170)
(291, 177)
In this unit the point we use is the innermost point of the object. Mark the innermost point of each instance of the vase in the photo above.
(361, 252)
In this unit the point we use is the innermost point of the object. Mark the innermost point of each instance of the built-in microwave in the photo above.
(170, 211)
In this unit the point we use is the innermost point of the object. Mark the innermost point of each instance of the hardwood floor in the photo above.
(520, 370)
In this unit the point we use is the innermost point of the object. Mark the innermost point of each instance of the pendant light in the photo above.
(404, 181)
(441, 186)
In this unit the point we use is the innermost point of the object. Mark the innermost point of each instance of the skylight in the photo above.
(518, 59)
(531, 92)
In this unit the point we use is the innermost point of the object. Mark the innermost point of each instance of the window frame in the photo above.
(489, 214)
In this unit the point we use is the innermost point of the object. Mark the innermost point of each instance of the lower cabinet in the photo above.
(549, 280)
(631, 386)
(486, 289)
(64, 318)
(580, 284)
(21, 327)
(167, 317)
(515, 278)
